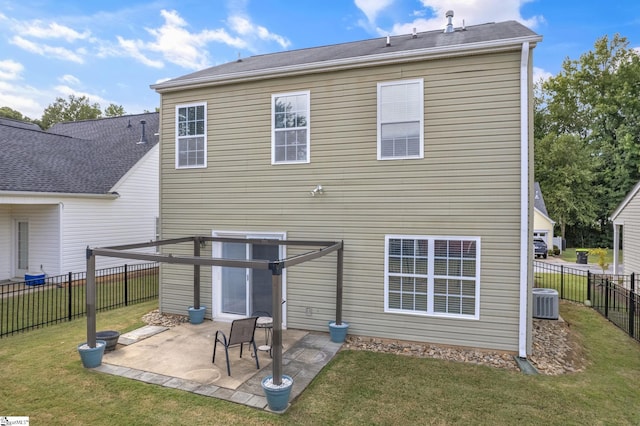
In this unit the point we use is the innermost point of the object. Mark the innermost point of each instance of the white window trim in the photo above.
(273, 128)
(177, 139)
(420, 81)
(430, 277)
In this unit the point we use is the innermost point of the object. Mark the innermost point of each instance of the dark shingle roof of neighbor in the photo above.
(361, 49)
(84, 157)
(18, 123)
(538, 200)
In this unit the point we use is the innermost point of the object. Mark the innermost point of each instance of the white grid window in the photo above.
(191, 139)
(400, 120)
(290, 128)
(437, 276)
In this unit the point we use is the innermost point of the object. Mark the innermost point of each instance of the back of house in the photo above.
(413, 149)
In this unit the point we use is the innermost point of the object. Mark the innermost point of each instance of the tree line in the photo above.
(75, 108)
(587, 139)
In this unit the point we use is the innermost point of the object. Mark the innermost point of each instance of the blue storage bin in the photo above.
(34, 279)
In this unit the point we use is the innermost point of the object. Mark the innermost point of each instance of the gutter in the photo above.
(347, 63)
(524, 200)
(107, 196)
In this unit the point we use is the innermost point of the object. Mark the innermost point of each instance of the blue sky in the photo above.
(112, 51)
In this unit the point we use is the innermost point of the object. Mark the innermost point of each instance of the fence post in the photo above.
(606, 298)
(589, 287)
(632, 305)
(70, 300)
(126, 286)
(561, 281)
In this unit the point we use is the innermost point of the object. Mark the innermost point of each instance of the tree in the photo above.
(74, 109)
(13, 114)
(114, 110)
(564, 170)
(596, 99)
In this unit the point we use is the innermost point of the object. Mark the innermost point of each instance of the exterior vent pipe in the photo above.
(143, 137)
(449, 28)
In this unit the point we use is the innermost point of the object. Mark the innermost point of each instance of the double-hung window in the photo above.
(437, 276)
(290, 128)
(191, 136)
(400, 119)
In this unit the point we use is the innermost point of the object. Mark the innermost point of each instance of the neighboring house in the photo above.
(542, 223)
(626, 223)
(421, 145)
(87, 183)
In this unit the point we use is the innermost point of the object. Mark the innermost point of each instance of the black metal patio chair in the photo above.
(242, 331)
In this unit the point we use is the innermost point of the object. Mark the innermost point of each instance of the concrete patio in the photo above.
(180, 357)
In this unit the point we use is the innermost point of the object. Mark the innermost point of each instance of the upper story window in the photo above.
(191, 136)
(290, 128)
(400, 119)
(437, 276)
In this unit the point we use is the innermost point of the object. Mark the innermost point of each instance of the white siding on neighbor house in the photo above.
(467, 184)
(130, 218)
(6, 243)
(542, 224)
(44, 236)
(630, 218)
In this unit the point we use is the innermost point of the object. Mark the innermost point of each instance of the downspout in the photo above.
(524, 200)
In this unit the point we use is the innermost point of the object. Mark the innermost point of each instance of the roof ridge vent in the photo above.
(449, 27)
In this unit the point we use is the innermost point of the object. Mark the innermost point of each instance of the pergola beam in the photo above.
(276, 268)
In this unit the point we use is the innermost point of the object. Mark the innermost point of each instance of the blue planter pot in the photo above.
(92, 357)
(277, 397)
(196, 316)
(338, 333)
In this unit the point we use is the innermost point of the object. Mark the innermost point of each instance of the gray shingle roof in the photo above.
(485, 33)
(538, 200)
(84, 157)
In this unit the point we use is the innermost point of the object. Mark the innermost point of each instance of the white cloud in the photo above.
(243, 26)
(10, 69)
(540, 74)
(133, 48)
(175, 44)
(22, 98)
(473, 12)
(49, 51)
(64, 91)
(371, 8)
(69, 79)
(39, 29)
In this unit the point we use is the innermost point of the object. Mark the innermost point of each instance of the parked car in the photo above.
(539, 248)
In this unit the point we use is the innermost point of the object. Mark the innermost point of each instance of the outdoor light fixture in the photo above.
(317, 190)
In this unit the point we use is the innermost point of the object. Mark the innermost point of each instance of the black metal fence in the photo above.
(614, 296)
(41, 301)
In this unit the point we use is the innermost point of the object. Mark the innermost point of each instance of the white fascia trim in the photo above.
(348, 63)
(524, 199)
(109, 196)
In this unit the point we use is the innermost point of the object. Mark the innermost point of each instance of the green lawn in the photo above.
(569, 255)
(42, 377)
(569, 286)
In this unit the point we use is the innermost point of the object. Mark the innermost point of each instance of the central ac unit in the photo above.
(545, 303)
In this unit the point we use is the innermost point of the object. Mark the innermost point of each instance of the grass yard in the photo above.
(569, 286)
(569, 255)
(42, 377)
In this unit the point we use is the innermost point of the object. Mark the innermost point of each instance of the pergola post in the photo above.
(196, 274)
(276, 343)
(90, 296)
(339, 268)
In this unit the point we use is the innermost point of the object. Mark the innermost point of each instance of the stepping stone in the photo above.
(140, 333)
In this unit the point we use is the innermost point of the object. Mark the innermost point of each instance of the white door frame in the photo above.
(216, 272)
(16, 271)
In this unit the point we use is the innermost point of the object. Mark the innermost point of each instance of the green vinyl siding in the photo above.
(467, 184)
